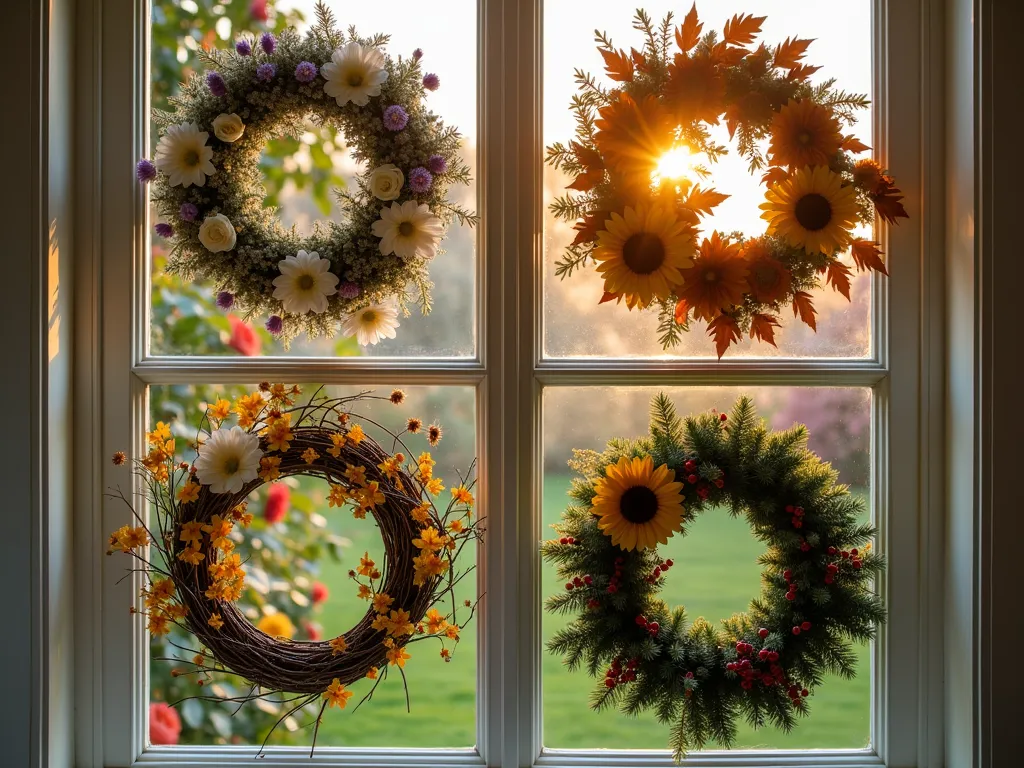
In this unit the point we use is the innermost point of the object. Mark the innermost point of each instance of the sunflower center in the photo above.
(763, 274)
(710, 276)
(406, 228)
(639, 504)
(643, 253)
(804, 138)
(813, 211)
(305, 282)
(354, 79)
(191, 158)
(231, 465)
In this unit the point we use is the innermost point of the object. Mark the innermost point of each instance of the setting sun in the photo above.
(677, 163)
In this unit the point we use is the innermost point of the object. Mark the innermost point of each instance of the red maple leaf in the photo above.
(852, 144)
(742, 28)
(789, 53)
(618, 65)
(866, 255)
(838, 274)
(762, 327)
(803, 308)
(702, 201)
(688, 33)
(682, 313)
(725, 331)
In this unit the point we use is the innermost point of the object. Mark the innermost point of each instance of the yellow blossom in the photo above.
(248, 408)
(446, 654)
(215, 621)
(191, 531)
(398, 657)
(391, 466)
(427, 566)
(309, 455)
(372, 674)
(355, 475)
(356, 434)
(189, 492)
(452, 631)
(462, 495)
(434, 486)
(279, 434)
(455, 526)
(370, 495)
(430, 539)
(270, 468)
(365, 593)
(159, 434)
(238, 513)
(191, 554)
(338, 645)
(336, 695)
(219, 529)
(421, 513)
(220, 410)
(382, 602)
(339, 442)
(435, 621)
(198, 659)
(162, 589)
(380, 622)
(281, 394)
(399, 624)
(158, 625)
(366, 565)
(337, 496)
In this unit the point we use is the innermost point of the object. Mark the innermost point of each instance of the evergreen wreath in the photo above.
(816, 586)
(637, 209)
(208, 185)
(193, 576)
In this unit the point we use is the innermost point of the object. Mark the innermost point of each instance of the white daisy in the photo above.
(354, 74)
(408, 230)
(371, 324)
(183, 155)
(305, 283)
(228, 460)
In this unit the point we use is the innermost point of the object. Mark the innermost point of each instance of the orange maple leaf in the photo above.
(618, 65)
(725, 331)
(852, 144)
(774, 176)
(789, 53)
(867, 255)
(802, 72)
(586, 156)
(682, 313)
(838, 274)
(762, 327)
(702, 201)
(688, 33)
(638, 59)
(587, 227)
(888, 205)
(742, 28)
(803, 308)
(587, 180)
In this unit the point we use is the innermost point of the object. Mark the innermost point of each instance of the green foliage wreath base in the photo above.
(280, 108)
(696, 678)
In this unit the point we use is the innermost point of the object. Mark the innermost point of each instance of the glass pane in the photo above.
(298, 552)
(301, 174)
(575, 324)
(715, 572)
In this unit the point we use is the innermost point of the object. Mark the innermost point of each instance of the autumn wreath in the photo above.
(193, 577)
(636, 205)
(816, 586)
(208, 187)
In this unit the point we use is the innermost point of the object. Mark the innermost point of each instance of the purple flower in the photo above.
(349, 290)
(431, 81)
(420, 180)
(244, 47)
(266, 72)
(145, 170)
(395, 118)
(216, 83)
(164, 230)
(188, 212)
(437, 164)
(225, 300)
(275, 324)
(268, 43)
(417, 54)
(305, 72)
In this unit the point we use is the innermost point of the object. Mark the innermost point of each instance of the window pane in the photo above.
(297, 541)
(300, 174)
(574, 323)
(716, 573)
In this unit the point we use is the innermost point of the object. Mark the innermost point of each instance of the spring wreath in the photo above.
(637, 154)
(816, 585)
(193, 576)
(208, 187)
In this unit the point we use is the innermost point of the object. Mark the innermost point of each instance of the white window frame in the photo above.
(509, 374)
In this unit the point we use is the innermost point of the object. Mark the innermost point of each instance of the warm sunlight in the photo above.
(677, 163)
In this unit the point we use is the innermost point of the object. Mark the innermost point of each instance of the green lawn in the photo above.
(716, 575)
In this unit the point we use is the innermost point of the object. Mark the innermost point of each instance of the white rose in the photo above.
(217, 233)
(228, 127)
(386, 182)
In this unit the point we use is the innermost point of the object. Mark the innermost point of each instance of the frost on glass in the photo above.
(716, 572)
(296, 546)
(575, 325)
(300, 174)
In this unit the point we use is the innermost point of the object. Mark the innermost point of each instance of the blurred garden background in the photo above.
(296, 543)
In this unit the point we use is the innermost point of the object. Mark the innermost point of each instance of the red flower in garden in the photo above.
(319, 592)
(258, 10)
(164, 723)
(244, 339)
(312, 631)
(278, 498)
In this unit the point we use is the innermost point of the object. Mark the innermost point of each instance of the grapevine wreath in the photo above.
(194, 576)
(637, 215)
(816, 586)
(208, 186)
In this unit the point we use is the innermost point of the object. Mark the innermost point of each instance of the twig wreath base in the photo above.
(193, 576)
(763, 664)
(208, 184)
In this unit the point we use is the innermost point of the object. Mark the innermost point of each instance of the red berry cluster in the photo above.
(750, 674)
(792, 587)
(658, 570)
(617, 676)
(703, 490)
(802, 627)
(577, 582)
(567, 540)
(613, 582)
(853, 556)
(651, 626)
(797, 513)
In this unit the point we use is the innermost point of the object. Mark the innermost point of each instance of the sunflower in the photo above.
(804, 133)
(812, 210)
(768, 279)
(632, 136)
(717, 278)
(637, 505)
(641, 253)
